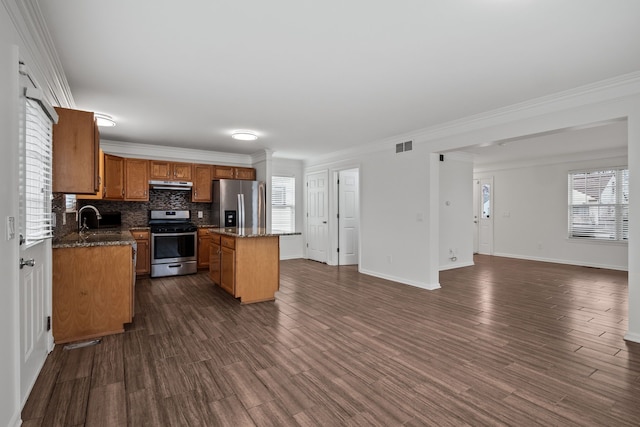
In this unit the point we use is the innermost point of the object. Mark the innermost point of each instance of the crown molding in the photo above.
(602, 91)
(261, 156)
(43, 58)
(160, 152)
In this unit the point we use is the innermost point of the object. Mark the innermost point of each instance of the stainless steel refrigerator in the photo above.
(238, 203)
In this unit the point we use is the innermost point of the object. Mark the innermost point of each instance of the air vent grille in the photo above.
(404, 146)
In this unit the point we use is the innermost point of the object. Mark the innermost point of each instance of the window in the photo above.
(599, 204)
(35, 172)
(283, 203)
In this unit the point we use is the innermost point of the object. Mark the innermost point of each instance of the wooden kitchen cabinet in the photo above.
(100, 193)
(249, 267)
(233, 172)
(136, 180)
(228, 264)
(113, 177)
(170, 171)
(143, 256)
(92, 291)
(75, 152)
(204, 243)
(214, 259)
(245, 173)
(202, 177)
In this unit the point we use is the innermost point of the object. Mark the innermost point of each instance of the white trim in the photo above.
(563, 261)
(633, 337)
(421, 285)
(459, 265)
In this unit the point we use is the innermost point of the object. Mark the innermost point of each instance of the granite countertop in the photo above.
(252, 232)
(94, 238)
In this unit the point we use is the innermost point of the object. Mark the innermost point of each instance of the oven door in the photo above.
(173, 247)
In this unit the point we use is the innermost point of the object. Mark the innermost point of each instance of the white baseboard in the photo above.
(400, 280)
(286, 257)
(563, 261)
(632, 336)
(459, 265)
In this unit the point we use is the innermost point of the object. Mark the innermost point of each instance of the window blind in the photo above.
(283, 204)
(35, 172)
(599, 204)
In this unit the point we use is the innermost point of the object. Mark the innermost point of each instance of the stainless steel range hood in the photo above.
(171, 185)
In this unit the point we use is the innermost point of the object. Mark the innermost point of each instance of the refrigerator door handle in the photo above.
(240, 210)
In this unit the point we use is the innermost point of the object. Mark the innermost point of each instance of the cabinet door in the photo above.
(214, 263)
(100, 193)
(204, 243)
(224, 172)
(143, 260)
(245, 173)
(113, 177)
(228, 267)
(182, 171)
(75, 152)
(160, 169)
(202, 176)
(136, 179)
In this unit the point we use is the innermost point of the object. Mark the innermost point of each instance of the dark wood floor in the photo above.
(505, 342)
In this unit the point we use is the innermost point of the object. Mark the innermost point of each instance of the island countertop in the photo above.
(252, 232)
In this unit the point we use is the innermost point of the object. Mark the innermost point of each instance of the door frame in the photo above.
(478, 212)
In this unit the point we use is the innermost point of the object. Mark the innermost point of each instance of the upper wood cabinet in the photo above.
(76, 145)
(136, 180)
(170, 171)
(100, 193)
(202, 176)
(233, 172)
(113, 177)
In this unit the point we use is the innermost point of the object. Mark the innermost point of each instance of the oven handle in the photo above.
(187, 233)
(174, 265)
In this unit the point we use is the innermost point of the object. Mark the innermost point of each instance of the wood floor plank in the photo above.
(503, 342)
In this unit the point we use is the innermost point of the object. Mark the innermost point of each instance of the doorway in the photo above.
(348, 215)
(483, 216)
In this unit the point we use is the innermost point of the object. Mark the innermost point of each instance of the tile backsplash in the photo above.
(134, 214)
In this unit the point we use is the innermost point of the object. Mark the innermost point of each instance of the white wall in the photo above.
(292, 246)
(395, 215)
(456, 211)
(530, 216)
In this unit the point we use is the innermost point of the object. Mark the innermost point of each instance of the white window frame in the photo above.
(599, 204)
(283, 203)
(36, 133)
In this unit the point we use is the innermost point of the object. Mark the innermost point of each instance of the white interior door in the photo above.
(476, 214)
(348, 217)
(317, 216)
(35, 258)
(485, 232)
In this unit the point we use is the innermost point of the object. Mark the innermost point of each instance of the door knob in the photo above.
(28, 262)
(324, 222)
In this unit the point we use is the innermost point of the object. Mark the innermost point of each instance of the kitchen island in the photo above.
(245, 262)
(93, 284)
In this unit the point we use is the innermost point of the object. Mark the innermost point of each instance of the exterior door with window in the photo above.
(485, 212)
(317, 216)
(35, 248)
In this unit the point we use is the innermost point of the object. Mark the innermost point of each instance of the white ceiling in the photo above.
(314, 77)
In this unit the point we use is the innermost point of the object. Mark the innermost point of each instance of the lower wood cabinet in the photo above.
(204, 242)
(143, 256)
(92, 291)
(246, 267)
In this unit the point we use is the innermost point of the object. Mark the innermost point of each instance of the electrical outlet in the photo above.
(200, 214)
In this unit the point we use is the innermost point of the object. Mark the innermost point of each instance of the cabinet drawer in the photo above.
(215, 237)
(228, 242)
(140, 235)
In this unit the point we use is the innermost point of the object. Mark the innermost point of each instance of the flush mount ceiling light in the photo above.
(104, 120)
(244, 135)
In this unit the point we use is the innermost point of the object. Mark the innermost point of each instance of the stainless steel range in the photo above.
(173, 243)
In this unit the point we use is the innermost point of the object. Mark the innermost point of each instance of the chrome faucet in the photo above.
(84, 223)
